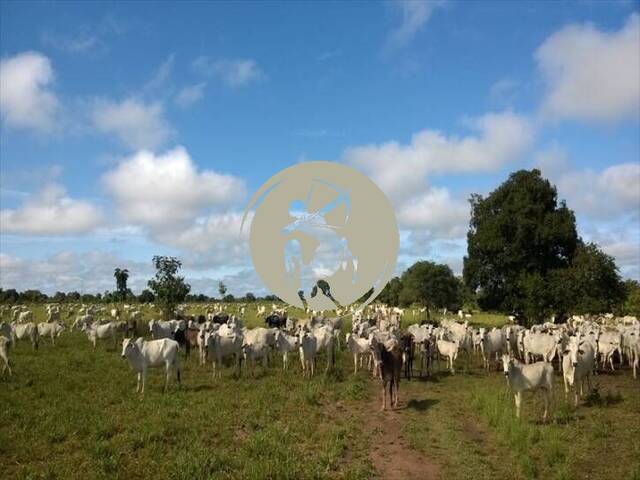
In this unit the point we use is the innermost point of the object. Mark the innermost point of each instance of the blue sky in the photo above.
(107, 106)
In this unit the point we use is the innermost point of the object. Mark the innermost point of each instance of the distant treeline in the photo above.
(11, 296)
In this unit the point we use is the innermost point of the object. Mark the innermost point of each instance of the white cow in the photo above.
(96, 331)
(82, 322)
(50, 330)
(256, 345)
(25, 317)
(5, 347)
(225, 342)
(634, 345)
(161, 329)
(308, 347)
(143, 355)
(577, 365)
(449, 350)
(522, 378)
(359, 347)
(608, 344)
(23, 331)
(325, 340)
(539, 345)
(491, 343)
(286, 344)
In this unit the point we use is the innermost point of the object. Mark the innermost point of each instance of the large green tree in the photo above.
(517, 234)
(432, 285)
(169, 288)
(390, 294)
(590, 284)
(631, 305)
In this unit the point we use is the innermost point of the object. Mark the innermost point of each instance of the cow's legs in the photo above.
(518, 397)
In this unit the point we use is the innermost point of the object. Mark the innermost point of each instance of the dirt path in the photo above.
(391, 455)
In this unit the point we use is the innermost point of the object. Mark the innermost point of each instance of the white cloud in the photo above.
(135, 123)
(26, 98)
(591, 74)
(613, 191)
(167, 192)
(50, 212)
(234, 72)
(81, 42)
(161, 76)
(210, 231)
(415, 14)
(190, 95)
(70, 271)
(437, 211)
(400, 170)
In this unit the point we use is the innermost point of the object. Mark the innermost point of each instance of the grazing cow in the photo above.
(135, 317)
(608, 344)
(359, 347)
(391, 369)
(5, 347)
(285, 344)
(325, 340)
(577, 365)
(143, 355)
(50, 330)
(539, 345)
(261, 311)
(225, 342)
(97, 331)
(256, 345)
(634, 345)
(161, 329)
(449, 350)
(308, 348)
(521, 378)
(82, 322)
(492, 343)
(23, 331)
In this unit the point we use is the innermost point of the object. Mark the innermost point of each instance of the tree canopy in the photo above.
(432, 285)
(524, 255)
(169, 288)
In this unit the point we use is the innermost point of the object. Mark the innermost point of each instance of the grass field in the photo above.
(71, 412)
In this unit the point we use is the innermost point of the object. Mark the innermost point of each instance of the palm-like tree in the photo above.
(121, 275)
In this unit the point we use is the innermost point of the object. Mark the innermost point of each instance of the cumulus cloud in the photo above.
(612, 191)
(26, 98)
(50, 212)
(167, 192)
(190, 94)
(232, 72)
(592, 74)
(400, 170)
(415, 15)
(216, 228)
(135, 123)
(437, 211)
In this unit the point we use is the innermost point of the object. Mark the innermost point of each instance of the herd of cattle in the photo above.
(376, 341)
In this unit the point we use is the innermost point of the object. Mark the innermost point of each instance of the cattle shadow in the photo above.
(421, 405)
